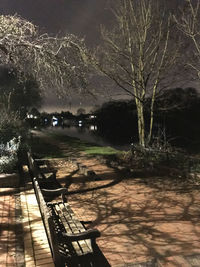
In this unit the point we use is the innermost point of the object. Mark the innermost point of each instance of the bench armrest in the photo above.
(88, 234)
(55, 192)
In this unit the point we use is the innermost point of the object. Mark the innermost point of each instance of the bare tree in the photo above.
(57, 61)
(188, 22)
(137, 54)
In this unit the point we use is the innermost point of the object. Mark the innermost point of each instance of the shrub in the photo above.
(8, 164)
(8, 155)
(168, 160)
(10, 126)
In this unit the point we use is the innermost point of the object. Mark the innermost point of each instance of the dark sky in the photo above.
(80, 17)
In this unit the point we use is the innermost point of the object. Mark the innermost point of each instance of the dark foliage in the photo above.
(176, 119)
(117, 121)
(16, 94)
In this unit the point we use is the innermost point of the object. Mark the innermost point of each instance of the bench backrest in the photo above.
(30, 164)
(49, 225)
(34, 168)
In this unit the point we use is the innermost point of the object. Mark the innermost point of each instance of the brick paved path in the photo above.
(23, 240)
(36, 248)
(140, 219)
(11, 234)
(153, 221)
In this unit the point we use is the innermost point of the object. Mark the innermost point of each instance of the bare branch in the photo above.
(57, 61)
(136, 54)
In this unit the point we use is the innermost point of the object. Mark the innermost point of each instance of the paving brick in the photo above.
(28, 245)
(46, 261)
(29, 251)
(30, 257)
(30, 263)
(174, 261)
(42, 255)
(49, 265)
(3, 256)
(41, 239)
(42, 246)
(10, 260)
(41, 251)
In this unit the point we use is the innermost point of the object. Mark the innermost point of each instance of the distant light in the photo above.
(93, 127)
(54, 118)
(80, 123)
(55, 123)
(92, 116)
(29, 116)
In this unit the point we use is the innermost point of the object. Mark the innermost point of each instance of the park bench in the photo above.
(46, 176)
(70, 242)
(39, 168)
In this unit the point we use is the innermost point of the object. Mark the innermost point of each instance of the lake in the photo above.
(88, 134)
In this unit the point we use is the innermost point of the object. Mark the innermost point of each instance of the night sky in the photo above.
(80, 17)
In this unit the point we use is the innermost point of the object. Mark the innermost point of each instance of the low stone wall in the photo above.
(9, 180)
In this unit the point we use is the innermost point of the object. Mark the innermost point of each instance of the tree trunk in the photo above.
(141, 124)
(152, 114)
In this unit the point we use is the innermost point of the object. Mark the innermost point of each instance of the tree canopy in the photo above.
(188, 22)
(56, 61)
(18, 95)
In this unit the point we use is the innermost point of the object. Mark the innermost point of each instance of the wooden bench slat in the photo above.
(81, 247)
(78, 224)
(86, 245)
(69, 226)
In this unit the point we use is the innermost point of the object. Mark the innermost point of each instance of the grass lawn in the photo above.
(50, 146)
